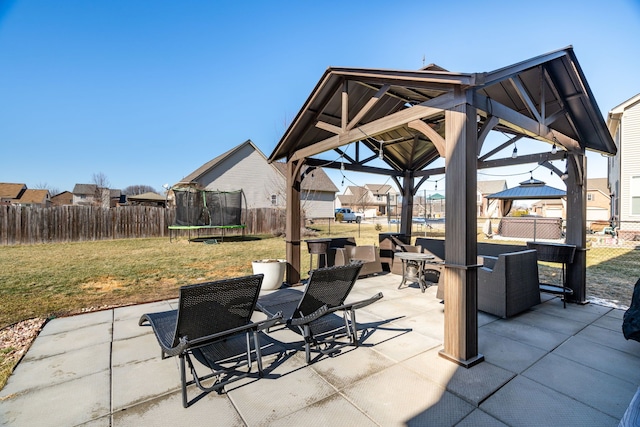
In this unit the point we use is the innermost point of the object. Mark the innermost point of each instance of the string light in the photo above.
(554, 149)
(515, 151)
(380, 152)
(565, 175)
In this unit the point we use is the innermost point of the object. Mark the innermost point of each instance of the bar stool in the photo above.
(319, 247)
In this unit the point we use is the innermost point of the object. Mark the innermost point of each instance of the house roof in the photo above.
(529, 189)
(312, 180)
(379, 188)
(613, 119)
(65, 193)
(34, 196)
(88, 189)
(11, 190)
(346, 199)
(193, 176)
(66, 197)
(598, 184)
(358, 193)
(386, 107)
(318, 180)
(149, 196)
(490, 187)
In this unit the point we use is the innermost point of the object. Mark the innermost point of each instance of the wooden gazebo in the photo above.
(408, 119)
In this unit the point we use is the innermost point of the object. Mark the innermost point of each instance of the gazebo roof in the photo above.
(545, 98)
(529, 190)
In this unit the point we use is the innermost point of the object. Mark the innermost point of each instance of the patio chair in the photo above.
(369, 255)
(208, 325)
(508, 284)
(310, 313)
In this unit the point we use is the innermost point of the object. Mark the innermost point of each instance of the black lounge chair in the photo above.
(208, 324)
(311, 313)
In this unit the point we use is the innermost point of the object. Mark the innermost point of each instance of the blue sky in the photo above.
(145, 92)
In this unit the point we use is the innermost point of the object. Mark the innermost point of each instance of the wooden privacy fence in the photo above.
(31, 225)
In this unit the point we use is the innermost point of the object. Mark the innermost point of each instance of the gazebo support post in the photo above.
(292, 228)
(460, 274)
(406, 218)
(576, 226)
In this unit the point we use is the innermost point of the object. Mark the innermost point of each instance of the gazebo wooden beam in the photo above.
(292, 226)
(522, 123)
(368, 106)
(460, 273)
(430, 133)
(576, 226)
(425, 110)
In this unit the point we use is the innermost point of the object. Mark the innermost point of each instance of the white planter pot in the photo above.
(273, 270)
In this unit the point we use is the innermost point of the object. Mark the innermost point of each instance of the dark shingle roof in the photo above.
(89, 189)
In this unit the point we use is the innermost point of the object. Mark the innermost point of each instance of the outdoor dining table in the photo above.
(413, 265)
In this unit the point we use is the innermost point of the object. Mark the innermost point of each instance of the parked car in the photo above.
(348, 215)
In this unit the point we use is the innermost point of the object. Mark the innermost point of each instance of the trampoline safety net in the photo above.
(208, 208)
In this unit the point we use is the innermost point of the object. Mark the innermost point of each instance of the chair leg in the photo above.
(248, 339)
(256, 343)
(307, 343)
(353, 332)
(183, 378)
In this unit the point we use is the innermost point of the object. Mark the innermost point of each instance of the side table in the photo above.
(413, 265)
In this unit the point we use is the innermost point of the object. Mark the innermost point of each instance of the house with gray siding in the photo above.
(623, 122)
(246, 168)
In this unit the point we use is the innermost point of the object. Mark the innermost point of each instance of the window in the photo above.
(635, 195)
(274, 199)
(590, 197)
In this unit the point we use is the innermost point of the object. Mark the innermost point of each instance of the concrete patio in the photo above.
(548, 366)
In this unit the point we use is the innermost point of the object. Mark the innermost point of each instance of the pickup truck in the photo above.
(348, 215)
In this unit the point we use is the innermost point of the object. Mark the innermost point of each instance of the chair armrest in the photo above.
(262, 324)
(359, 304)
(268, 323)
(309, 317)
(489, 262)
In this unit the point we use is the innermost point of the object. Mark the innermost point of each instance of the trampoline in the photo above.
(198, 209)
